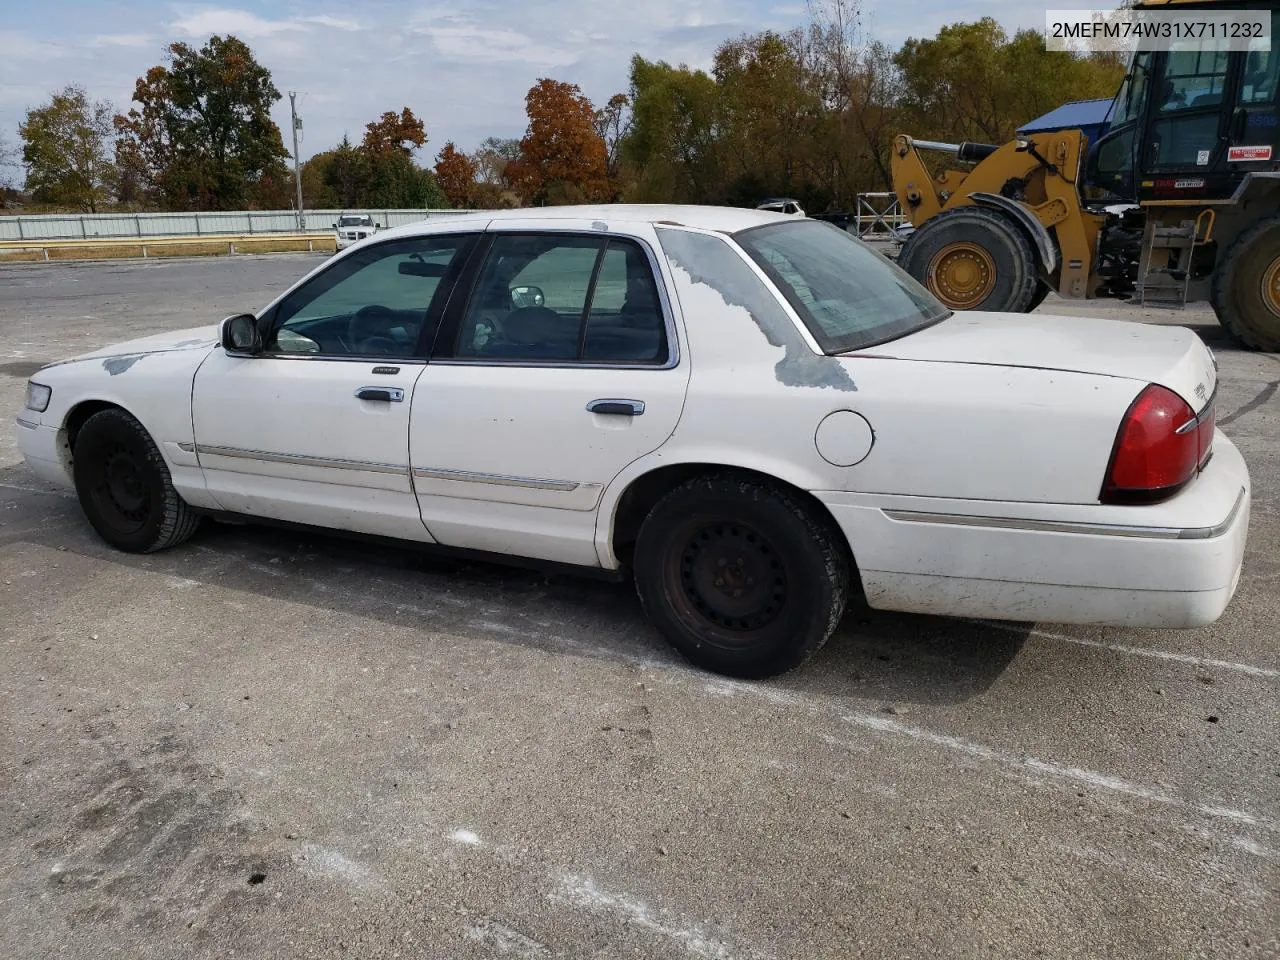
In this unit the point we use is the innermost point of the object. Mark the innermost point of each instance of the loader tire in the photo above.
(1246, 288)
(973, 258)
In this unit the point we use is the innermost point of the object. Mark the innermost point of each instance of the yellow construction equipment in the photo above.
(1178, 201)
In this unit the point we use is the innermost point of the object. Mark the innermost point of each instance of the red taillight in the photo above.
(1160, 446)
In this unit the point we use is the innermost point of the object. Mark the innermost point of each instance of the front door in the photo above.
(315, 429)
(560, 369)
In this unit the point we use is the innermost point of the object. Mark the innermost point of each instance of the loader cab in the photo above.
(1188, 123)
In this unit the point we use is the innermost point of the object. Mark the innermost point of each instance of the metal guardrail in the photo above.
(878, 216)
(231, 240)
(91, 226)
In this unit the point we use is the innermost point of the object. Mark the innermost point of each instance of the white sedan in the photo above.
(749, 413)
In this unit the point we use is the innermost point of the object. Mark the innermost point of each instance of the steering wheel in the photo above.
(368, 327)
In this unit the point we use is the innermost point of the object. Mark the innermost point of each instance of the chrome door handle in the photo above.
(381, 394)
(621, 408)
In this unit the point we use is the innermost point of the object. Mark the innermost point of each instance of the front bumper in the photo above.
(44, 449)
(1174, 564)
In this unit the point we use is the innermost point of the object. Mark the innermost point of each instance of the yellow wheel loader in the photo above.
(1178, 201)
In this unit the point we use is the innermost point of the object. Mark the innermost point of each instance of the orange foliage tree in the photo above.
(391, 132)
(457, 175)
(563, 158)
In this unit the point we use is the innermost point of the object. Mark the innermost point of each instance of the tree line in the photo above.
(807, 113)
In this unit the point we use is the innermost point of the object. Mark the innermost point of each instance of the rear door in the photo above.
(559, 369)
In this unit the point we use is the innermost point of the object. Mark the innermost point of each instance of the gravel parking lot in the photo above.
(263, 744)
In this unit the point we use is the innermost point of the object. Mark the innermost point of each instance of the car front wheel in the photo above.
(124, 486)
(743, 577)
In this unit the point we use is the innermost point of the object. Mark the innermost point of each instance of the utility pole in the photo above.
(297, 172)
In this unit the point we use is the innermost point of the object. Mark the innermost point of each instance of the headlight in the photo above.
(38, 397)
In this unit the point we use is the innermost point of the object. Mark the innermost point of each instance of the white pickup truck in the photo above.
(352, 227)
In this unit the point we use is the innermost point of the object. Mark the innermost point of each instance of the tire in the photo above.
(1037, 298)
(784, 585)
(124, 486)
(973, 258)
(1248, 313)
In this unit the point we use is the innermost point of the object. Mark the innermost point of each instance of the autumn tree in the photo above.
(612, 122)
(201, 135)
(562, 157)
(456, 173)
(491, 159)
(65, 150)
(392, 132)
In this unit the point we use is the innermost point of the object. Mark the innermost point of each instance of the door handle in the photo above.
(381, 394)
(620, 408)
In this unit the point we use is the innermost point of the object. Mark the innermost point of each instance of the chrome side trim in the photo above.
(27, 423)
(300, 460)
(1066, 526)
(468, 476)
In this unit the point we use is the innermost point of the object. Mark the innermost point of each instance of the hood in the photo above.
(195, 338)
(1172, 357)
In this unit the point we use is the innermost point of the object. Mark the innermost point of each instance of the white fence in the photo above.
(212, 223)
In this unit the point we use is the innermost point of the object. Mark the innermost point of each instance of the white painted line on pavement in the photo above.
(1088, 778)
(1246, 668)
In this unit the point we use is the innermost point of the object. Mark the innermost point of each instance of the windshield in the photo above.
(848, 295)
(355, 221)
(1133, 92)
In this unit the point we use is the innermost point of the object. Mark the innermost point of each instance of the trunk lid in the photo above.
(1172, 357)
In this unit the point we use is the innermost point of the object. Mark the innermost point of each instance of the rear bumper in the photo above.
(1174, 564)
(42, 448)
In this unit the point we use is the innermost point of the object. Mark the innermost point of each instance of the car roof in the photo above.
(722, 219)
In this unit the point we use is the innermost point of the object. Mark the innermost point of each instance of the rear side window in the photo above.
(564, 297)
(848, 295)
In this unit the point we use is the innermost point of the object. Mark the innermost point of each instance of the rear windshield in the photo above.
(848, 295)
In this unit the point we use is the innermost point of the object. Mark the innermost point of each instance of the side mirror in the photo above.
(378, 226)
(240, 334)
(335, 224)
(527, 297)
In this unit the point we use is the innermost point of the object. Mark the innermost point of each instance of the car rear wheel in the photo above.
(741, 576)
(973, 258)
(124, 486)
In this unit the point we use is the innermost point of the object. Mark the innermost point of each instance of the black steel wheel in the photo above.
(124, 486)
(743, 577)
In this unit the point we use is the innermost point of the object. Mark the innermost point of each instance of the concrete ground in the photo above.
(270, 745)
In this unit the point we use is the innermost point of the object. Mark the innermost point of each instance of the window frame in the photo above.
(269, 322)
(445, 349)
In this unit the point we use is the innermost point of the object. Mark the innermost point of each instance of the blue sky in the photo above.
(462, 65)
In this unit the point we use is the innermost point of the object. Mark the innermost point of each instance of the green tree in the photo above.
(973, 82)
(202, 136)
(672, 142)
(347, 173)
(65, 150)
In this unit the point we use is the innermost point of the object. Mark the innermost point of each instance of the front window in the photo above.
(848, 295)
(1261, 69)
(1133, 92)
(355, 221)
(376, 302)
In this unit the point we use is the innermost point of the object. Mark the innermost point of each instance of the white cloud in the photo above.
(124, 40)
(338, 23)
